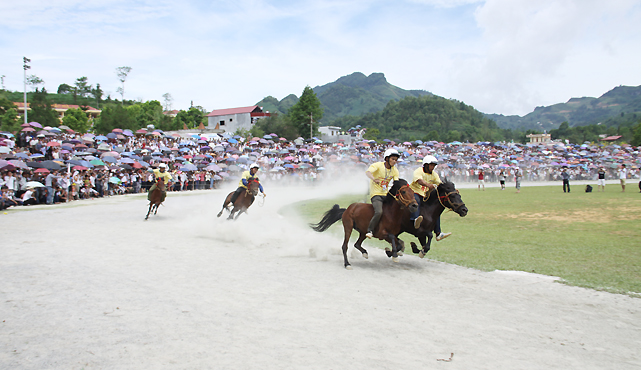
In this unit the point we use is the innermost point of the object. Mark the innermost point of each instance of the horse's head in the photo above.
(450, 198)
(253, 186)
(403, 194)
(160, 184)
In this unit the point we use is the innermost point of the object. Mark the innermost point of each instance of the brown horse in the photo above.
(155, 197)
(244, 200)
(397, 206)
(446, 196)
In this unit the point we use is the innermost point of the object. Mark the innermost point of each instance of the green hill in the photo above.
(351, 95)
(622, 101)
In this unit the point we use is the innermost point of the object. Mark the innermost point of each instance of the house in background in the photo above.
(232, 119)
(61, 109)
(329, 134)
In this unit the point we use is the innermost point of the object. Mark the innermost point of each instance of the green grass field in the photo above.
(591, 240)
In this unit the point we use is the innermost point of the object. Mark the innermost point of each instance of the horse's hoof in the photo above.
(348, 267)
(387, 249)
(365, 255)
(421, 254)
(400, 253)
(395, 259)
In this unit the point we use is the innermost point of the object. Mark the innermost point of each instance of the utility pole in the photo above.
(311, 125)
(25, 66)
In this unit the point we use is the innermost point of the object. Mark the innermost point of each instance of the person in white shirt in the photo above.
(623, 174)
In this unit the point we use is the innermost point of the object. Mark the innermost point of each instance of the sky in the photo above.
(500, 56)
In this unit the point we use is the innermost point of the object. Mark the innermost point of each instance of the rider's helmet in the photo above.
(429, 159)
(162, 166)
(254, 165)
(390, 152)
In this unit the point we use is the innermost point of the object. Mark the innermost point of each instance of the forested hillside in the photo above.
(430, 118)
(355, 95)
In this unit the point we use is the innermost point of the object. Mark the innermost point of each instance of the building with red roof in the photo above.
(232, 119)
(62, 108)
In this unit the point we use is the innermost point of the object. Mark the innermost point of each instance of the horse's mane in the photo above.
(445, 186)
(397, 185)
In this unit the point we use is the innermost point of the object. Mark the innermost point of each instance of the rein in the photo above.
(454, 206)
(400, 199)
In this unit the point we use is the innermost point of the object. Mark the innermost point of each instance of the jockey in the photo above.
(159, 173)
(381, 175)
(244, 181)
(426, 178)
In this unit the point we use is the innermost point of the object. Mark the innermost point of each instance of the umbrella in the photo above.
(114, 180)
(35, 124)
(34, 184)
(42, 170)
(80, 168)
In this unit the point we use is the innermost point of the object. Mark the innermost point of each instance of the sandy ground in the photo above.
(93, 286)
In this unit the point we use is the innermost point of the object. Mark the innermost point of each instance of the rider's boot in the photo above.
(442, 236)
(417, 222)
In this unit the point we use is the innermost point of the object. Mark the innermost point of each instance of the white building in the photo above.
(232, 119)
(329, 134)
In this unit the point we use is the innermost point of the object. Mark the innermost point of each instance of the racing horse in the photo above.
(155, 197)
(244, 200)
(398, 204)
(445, 196)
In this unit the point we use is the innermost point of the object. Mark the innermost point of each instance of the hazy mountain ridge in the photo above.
(618, 102)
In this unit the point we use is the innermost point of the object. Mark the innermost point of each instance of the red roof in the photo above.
(228, 111)
(611, 138)
(56, 106)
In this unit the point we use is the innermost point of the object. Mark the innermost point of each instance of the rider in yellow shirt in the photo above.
(381, 175)
(244, 180)
(160, 173)
(425, 178)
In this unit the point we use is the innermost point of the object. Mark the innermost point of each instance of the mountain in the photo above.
(618, 102)
(354, 95)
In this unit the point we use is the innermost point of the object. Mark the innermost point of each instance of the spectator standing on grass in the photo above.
(502, 179)
(601, 179)
(623, 174)
(481, 179)
(50, 182)
(566, 179)
(517, 179)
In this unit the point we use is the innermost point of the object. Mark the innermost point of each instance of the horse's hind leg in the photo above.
(347, 227)
(358, 245)
(156, 208)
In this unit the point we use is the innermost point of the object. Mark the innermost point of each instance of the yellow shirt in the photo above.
(246, 176)
(164, 175)
(380, 172)
(419, 174)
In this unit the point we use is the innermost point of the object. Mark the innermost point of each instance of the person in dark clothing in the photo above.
(566, 179)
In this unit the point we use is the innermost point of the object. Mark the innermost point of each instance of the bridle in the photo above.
(399, 196)
(249, 191)
(446, 197)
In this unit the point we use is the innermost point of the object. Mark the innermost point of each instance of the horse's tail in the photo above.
(329, 218)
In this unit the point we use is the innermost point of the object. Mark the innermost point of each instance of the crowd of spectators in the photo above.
(52, 165)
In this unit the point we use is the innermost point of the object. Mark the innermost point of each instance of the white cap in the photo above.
(429, 159)
(254, 165)
(162, 165)
(390, 152)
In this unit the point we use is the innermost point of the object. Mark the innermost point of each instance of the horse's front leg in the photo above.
(231, 215)
(426, 245)
(148, 212)
(243, 210)
(391, 238)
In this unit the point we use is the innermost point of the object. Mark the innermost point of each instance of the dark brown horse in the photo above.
(244, 200)
(396, 207)
(444, 196)
(155, 197)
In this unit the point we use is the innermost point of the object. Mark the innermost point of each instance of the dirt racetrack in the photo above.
(93, 286)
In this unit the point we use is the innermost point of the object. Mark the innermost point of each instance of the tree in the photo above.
(41, 110)
(34, 81)
(76, 119)
(168, 100)
(82, 89)
(64, 89)
(150, 113)
(306, 113)
(191, 118)
(97, 94)
(122, 73)
(10, 121)
(113, 116)
(636, 136)
(372, 134)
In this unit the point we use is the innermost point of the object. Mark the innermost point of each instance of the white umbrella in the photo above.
(34, 184)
